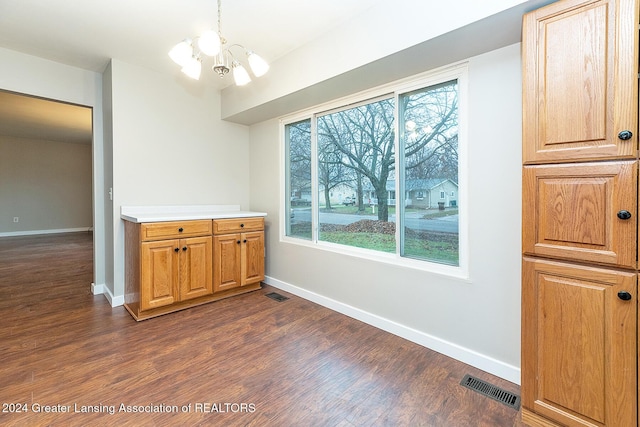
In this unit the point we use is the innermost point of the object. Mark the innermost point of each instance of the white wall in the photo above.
(39, 77)
(170, 147)
(477, 321)
(386, 42)
(46, 184)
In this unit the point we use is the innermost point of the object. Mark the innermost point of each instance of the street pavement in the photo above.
(414, 220)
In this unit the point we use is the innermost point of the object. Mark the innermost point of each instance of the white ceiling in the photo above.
(87, 33)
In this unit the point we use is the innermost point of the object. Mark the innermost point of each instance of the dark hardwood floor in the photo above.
(243, 361)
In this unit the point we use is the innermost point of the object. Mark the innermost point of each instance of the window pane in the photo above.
(356, 196)
(429, 142)
(298, 182)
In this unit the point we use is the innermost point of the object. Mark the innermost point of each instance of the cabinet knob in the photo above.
(244, 241)
(238, 242)
(180, 229)
(177, 249)
(241, 225)
(624, 295)
(623, 214)
(184, 248)
(625, 135)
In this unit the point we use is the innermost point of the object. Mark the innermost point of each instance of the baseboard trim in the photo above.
(455, 351)
(36, 232)
(115, 301)
(97, 289)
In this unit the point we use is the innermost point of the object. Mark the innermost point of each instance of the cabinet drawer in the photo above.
(173, 229)
(221, 226)
(583, 212)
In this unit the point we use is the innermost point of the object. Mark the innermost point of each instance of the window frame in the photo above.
(459, 72)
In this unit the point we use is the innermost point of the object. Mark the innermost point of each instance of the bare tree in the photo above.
(357, 145)
(364, 138)
(331, 171)
(299, 146)
(430, 136)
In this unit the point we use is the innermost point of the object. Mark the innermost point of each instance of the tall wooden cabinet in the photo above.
(580, 214)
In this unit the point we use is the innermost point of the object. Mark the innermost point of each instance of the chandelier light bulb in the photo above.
(259, 66)
(182, 52)
(193, 68)
(209, 43)
(240, 75)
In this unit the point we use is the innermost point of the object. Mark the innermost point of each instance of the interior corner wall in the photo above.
(35, 76)
(46, 185)
(107, 109)
(475, 320)
(170, 147)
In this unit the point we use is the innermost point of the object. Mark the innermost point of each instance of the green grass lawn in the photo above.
(438, 247)
(435, 249)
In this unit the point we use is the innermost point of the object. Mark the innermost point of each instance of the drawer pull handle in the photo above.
(625, 135)
(241, 225)
(624, 295)
(623, 214)
(180, 229)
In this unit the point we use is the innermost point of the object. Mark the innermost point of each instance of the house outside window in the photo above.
(377, 165)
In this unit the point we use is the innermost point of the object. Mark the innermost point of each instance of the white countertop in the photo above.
(183, 213)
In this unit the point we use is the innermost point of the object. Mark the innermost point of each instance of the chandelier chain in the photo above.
(219, 19)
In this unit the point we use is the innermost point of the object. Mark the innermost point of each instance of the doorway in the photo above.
(46, 166)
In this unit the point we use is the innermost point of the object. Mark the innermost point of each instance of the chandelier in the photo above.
(188, 54)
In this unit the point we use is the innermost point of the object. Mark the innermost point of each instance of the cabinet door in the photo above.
(584, 212)
(226, 262)
(195, 267)
(159, 273)
(579, 343)
(580, 68)
(252, 257)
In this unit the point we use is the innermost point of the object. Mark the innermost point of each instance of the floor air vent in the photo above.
(276, 296)
(489, 390)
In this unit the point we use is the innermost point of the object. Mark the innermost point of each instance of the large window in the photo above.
(380, 175)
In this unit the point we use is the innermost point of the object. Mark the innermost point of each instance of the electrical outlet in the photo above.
(16, 219)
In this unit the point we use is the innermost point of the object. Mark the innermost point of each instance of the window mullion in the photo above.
(315, 213)
(399, 165)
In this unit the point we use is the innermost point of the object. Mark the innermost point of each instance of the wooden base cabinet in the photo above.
(239, 252)
(579, 352)
(175, 270)
(169, 266)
